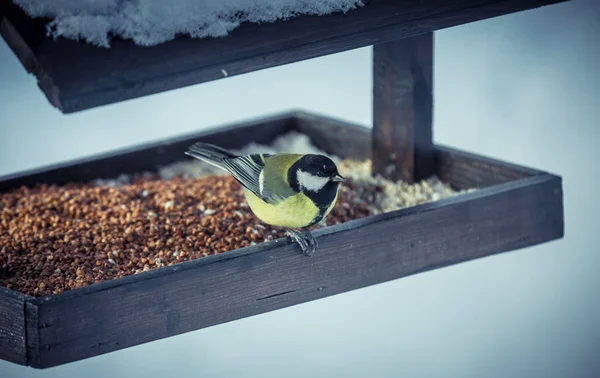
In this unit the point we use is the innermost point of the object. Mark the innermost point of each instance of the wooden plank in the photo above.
(148, 157)
(76, 76)
(33, 334)
(403, 109)
(462, 170)
(336, 137)
(114, 315)
(12, 327)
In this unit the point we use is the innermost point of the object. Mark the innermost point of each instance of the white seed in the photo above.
(145, 193)
(111, 261)
(209, 212)
(169, 204)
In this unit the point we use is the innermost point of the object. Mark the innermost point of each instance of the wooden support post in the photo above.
(403, 108)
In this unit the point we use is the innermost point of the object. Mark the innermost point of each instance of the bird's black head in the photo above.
(313, 172)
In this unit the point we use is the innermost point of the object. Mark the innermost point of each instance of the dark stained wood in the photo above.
(33, 334)
(464, 170)
(461, 169)
(76, 76)
(403, 109)
(12, 326)
(336, 137)
(517, 207)
(150, 156)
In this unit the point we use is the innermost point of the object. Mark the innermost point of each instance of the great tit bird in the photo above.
(294, 191)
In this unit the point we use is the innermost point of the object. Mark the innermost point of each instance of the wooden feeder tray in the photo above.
(513, 207)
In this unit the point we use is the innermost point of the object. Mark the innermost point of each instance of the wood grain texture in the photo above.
(150, 156)
(333, 136)
(275, 275)
(462, 170)
(12, 327)
(33, 333)
(403, 109)
(465, 170)
(518, 207)
(76, 76)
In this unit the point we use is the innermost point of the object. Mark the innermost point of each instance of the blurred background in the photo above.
(524, 88)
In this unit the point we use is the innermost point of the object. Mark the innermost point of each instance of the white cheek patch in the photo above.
(311, 182)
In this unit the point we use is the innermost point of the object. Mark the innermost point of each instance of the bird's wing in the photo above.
(275, 186)
(246, 170)
(262, 179)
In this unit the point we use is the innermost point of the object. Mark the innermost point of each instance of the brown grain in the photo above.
(57, 238)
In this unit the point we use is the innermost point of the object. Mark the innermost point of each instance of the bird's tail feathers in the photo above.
(210, 153)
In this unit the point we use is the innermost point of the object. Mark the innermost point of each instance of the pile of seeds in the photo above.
(57, 238)
(393, 195)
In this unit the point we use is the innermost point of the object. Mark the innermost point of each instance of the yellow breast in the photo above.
(294, 212)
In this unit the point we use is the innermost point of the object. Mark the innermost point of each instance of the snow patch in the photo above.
(151, 22)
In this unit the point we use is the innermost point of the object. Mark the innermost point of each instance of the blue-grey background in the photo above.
(523, 88)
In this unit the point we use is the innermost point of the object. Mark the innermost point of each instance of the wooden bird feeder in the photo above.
(513, 207)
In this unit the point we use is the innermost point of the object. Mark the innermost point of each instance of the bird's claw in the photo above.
(312, 243)
(307, 242)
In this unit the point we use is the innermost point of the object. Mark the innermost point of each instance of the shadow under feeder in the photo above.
(514, 207)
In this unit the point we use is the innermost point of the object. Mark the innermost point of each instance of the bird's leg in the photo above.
(298, 238)
(307, 242)
(312, 242)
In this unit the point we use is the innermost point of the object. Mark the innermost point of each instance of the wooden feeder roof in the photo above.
(76, 76)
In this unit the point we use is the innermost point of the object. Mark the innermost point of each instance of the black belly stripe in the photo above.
(322, 199)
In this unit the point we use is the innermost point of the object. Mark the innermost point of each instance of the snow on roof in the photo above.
(151, 22)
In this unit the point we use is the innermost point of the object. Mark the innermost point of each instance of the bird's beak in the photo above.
(338, 178)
